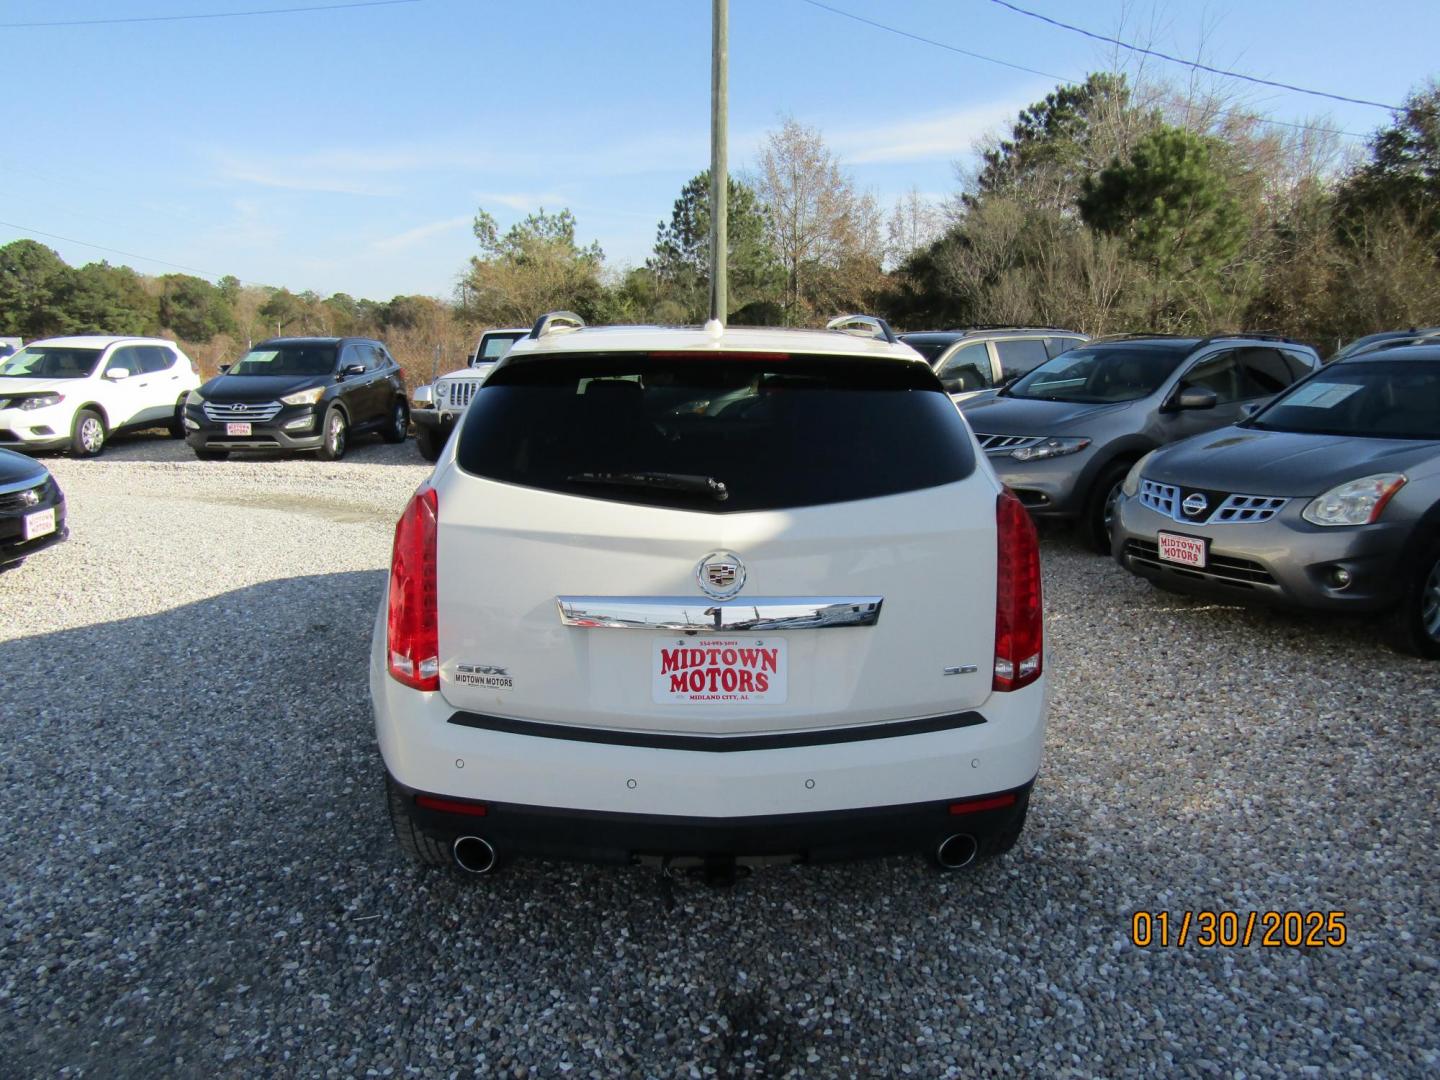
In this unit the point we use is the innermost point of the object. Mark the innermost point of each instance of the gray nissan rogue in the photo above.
(1064, 436)
(1328, 499)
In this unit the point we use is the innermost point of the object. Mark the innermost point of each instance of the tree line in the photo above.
(1110, 206)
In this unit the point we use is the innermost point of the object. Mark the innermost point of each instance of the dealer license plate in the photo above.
(237, 429)
(1185, 550)
(40, 523)
(718, 671)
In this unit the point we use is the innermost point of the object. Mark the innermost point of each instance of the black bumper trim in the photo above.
(515, 829)
(655, 740)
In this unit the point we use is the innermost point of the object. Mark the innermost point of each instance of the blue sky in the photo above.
(348, 150)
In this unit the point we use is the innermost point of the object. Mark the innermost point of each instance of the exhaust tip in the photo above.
(473, 854)
(956, 851)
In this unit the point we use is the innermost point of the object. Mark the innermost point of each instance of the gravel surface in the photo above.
(199, 879)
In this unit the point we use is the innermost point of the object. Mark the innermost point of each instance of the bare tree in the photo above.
(826, 232)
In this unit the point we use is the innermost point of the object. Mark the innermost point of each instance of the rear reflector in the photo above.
(455, 806)
(993, 802)
(411, 641)
(1019, 617)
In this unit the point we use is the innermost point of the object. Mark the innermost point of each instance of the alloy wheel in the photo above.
(1430, 603)
(336, 434)
(92, 434)
(399, 421)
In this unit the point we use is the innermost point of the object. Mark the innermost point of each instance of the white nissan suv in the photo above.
(714, 597)
(75, 392)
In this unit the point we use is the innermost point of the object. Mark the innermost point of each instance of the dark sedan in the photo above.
(32, 509)
(1328, 499)
(299, 394)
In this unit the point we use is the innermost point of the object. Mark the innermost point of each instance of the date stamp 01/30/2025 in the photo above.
(1238, 929)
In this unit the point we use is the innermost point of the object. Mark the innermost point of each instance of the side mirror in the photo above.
(1196, 397)
(352, 369)
(1249, 409)
(224, 368)
(117, 373)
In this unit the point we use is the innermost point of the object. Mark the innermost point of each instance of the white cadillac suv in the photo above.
(713, 597)
(75, 392)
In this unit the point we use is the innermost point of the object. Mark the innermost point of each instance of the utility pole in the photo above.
(719, 166)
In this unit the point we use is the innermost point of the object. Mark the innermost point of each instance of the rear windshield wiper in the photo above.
(661, 481)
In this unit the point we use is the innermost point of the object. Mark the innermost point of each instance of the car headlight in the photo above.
(1357, 502)
(194, 398)
(304, 397)
(41, 401)
(423, 396)
(1130, 487)
(1051, 447)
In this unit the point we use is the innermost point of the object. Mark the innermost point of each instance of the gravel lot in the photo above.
(199, 880)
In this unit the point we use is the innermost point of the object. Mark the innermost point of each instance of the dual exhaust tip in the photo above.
(473, 854)
(957, 851)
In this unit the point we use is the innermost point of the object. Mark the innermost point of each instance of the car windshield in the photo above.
(928, 347)
(494, 346)
(1373, 399)
(718, 434)
(50, 362)
(287, 360)
(1100, 374)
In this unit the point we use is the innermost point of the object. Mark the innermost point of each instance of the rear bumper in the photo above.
(516, 830)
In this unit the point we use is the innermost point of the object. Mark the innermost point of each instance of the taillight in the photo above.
(411, 640)
(1019, 618)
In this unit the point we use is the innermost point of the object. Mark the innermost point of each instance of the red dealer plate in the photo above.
(1185, 550)
(718, 671)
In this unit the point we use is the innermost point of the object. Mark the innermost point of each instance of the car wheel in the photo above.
(212, 455)
(337, 435)
(87, 434)
(1415, 623)
(177, 425)
(429, 442)
(414, 844)
(399, 425)
(1099, 519)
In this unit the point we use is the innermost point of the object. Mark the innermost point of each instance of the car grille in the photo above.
(1233, 510)
(1003, 444)
(12, 501)
(459, 392)
(231, 411)
(1243, 573)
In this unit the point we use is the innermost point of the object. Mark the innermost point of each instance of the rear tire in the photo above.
(87, 434)
(336, 435)
(429, 442)
(1415, 623)
(398, 426)
(414, 844)
(1098, 519)
(212, 455)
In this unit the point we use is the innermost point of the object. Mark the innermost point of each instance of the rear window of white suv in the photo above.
(715, 434)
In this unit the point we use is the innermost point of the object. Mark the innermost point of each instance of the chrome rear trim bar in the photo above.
(699, 614)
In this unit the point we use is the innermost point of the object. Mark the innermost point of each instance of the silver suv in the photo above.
(1064, 436)
(984, 357)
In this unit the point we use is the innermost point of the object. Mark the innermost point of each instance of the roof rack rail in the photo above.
(1261, 335)
(1129, 337)
(555, 322)
(863, 326)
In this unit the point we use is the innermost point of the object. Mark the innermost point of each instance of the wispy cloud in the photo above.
(935, 137)
(419, 234)
(523, 201)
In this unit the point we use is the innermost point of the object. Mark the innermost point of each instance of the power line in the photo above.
(1061, 78)
(126, 254)
(1195, 64)
(208, 15)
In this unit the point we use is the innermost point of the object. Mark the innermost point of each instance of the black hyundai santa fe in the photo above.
(299, 394)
